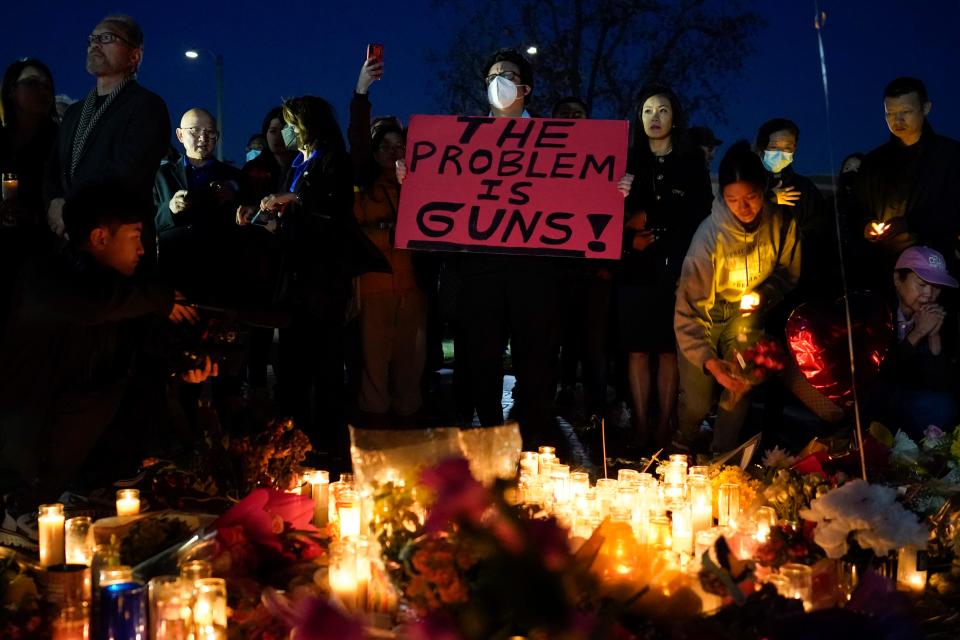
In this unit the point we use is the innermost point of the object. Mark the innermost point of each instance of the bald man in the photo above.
(195, 196)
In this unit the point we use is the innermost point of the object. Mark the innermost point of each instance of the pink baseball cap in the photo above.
(928, 264)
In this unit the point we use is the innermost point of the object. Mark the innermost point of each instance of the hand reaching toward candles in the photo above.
(181, 312)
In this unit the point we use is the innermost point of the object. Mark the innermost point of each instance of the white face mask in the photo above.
(777, 161)
(501, 93)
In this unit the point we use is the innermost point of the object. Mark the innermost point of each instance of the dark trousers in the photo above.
(523, 306)
(310, 376)
(586, 310)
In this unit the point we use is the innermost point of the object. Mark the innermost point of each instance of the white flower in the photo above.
(904, 451)
(871, 512)
(933, 437)
(777, 458)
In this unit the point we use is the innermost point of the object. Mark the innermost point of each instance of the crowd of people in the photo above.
(122, 256)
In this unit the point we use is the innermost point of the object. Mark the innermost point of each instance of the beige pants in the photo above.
(393, 333)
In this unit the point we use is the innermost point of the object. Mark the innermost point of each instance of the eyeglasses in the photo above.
(196, 132)
(512, 76)
(108, 37)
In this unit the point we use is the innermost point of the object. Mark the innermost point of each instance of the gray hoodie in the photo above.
(725, 261)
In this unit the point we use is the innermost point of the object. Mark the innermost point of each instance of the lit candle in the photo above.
(170, 600)
(766, 518)
(799, 583)
(548, 455)
(364, 572)
(658, 533)
(210, 609)
(560, 479)
(128, 502)
(348, 513)
(123, 605)
(701, 502)
(342, 573)
(320, 492)
(879, 228)
(196, 570)
(683, 529)
(728, 504)
(749, 302)
(10, 183)
(72, 623)
(529, 463)
(911, 569)
(50, 531)
(78, 540)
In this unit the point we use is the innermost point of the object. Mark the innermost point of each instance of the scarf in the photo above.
(88, 120)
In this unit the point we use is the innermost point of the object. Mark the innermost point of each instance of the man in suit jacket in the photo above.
(117, 134)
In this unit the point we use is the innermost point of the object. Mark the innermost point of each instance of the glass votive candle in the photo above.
(364, 571)
(659, 533)
(766, 518)
(210, 609)
(703, 540)
(342, 573)
(72, 623)
(728, 504)
(682, 529)
(911, 569)
(698, 470)
(196, 570)
(78, 540)
(122, 611)
(799, 583)
(320, 492)
(579, 483)
(745, 540)
(529, 463)
(348, 513)
(560, 479)
(628, 476)
(171, 607)
(128, 502)
(50, 523)
(700, 494)
(547, 456)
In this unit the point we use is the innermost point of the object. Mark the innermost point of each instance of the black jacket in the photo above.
(322, 244)
(126, 145)
(815, 224)
(675, 192)
(204, 206)
(919, 183)
(66, 355)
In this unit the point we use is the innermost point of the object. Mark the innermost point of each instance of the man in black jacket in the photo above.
(195, 197)
(118, 133)
(908, 191)
(67, 358)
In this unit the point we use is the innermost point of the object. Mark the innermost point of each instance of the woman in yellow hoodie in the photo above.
(746, 246)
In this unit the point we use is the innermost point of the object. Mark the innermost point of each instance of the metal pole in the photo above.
(219, 61)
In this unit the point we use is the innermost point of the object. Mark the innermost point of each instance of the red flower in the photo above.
(261, 517)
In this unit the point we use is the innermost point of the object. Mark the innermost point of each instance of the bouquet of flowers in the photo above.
(790, 492)
(789, 544)
(867, 514)
(754, 366)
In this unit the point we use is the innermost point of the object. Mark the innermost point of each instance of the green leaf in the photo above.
(881, 434)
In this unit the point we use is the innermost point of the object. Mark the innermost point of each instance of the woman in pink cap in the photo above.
(919, 379)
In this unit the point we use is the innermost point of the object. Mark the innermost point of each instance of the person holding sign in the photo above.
(670, 197)
(745, 246)
(506, 296)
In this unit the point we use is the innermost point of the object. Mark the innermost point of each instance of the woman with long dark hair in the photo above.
(322, 248)
(671, 194)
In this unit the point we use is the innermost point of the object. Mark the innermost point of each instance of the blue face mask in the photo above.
(777, 161)
(253, 153)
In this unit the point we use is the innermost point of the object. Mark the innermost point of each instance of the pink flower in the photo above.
(458, 494)
(262, 515)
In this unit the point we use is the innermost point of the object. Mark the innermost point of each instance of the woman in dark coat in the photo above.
(671, 195)
(322, 247)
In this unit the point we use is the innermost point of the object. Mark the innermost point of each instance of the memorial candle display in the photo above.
(128, 502)
(122, 611)
(683, 530)
(911, 569)
(728, 504)
(701, 502)
(529, 463)
(171, 600)
(348, 513)
(50, 523)
(210, 609)
(342, 573)
(78, 540)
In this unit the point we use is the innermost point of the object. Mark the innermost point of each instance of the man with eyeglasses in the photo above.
(118, 133)
(195, 197)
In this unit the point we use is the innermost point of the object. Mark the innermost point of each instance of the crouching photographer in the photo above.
(75, 390)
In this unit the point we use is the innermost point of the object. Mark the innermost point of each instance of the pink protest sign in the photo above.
(514, 185)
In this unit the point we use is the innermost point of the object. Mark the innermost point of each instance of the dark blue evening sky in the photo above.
(276, 49)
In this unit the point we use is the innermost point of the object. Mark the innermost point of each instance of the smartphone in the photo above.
(375, 50)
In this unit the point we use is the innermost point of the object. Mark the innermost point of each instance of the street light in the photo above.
(532, 50)
(193, 54)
